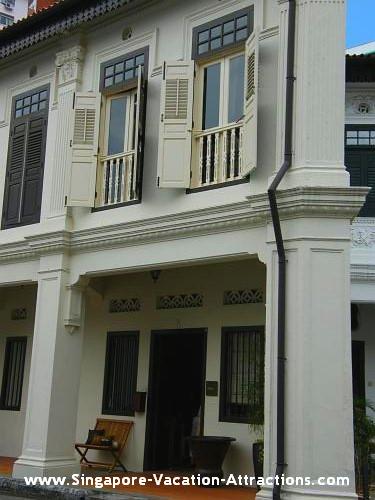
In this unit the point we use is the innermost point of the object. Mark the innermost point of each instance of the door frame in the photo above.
(152, 386)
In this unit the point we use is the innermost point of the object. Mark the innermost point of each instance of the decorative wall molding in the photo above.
(69, 65)
(183, 301)
(252, 213)
(360, 104)
(18, 314)
(124, 305)
(363, 233)
(247, 296)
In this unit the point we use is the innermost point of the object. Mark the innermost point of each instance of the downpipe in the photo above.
(289, 98)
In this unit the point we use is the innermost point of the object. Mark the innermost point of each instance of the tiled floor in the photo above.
(166, 492)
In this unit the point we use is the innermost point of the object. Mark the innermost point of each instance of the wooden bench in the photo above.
(116, 430)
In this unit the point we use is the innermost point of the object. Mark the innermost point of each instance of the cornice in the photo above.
(200, 222)
(306, 201)
(251, 213)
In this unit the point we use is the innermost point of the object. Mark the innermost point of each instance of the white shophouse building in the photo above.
(140, 136)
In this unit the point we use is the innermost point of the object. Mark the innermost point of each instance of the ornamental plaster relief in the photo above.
(363, 234)
(69, 65)
(360, 104)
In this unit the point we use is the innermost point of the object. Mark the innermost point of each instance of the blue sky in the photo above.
(360, 22)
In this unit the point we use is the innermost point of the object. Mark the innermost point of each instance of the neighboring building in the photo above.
(137, 252)
(360, 162)
(37, 5)
(11, 11)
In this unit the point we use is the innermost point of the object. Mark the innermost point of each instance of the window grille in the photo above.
(242, 375)
(120, 376)
(14, 363)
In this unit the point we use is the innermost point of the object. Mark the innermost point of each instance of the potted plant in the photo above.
(257, 428)
(364, 435)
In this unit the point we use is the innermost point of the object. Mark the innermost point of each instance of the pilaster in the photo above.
(54, 376)
(69, 65)
(319, 104)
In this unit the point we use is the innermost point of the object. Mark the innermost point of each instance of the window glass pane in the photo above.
(351, 133)
(108, 81)
(236, 88)
(140, 60)
(116, 129)
(216, 32)
(203, 36)
(241, 34)
(216, 44)
(228, 27)
(108, 71)
(241, 22)
(228, 38)
(129, 74)
(202, 48)
(129, 63)
(211, 96)
(119, 68)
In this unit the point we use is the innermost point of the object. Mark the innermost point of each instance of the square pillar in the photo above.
(50, 426)
(318, 390)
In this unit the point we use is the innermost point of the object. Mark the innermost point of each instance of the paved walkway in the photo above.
(165, 492)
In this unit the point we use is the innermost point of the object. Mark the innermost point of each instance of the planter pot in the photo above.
(208, 453)
(258, 456)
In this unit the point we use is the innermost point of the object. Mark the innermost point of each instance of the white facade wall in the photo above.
(211, 280)
(170, 229)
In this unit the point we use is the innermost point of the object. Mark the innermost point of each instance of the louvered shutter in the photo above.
(82, 178)
(369, 167)
(33, 172)
(14, 174)
(176, 125)
(250, 126)
(139, 131)
(24, 177)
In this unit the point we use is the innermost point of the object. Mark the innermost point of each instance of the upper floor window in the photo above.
(223, 33)
(26, 152)
(360, 162)
(6, 20)
(209, 105)
(113, 148)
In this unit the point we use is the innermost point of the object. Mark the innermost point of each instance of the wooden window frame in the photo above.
(249, 11)
(14, 121)
(124, 85)
(123, 411)
(224, 415)
(6, 380)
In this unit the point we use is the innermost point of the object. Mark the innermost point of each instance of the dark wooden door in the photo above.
(358, 369)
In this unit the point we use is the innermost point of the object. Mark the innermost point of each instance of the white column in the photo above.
(319, 104)
(54, 377)
(68, 79)
(318, 399)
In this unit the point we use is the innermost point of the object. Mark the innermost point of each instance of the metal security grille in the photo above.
(14, 363)
(242, 375)
(120, 377)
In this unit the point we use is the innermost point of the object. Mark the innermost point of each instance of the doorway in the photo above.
(175, 396)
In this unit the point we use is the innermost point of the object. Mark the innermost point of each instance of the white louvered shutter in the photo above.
(250, 127)
(176, 117)
(82, 178)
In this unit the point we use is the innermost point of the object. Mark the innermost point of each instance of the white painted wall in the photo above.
(212, 281)
(12, 422)
(156, 27)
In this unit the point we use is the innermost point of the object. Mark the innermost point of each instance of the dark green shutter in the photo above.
(360, 164)
(24, 176)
